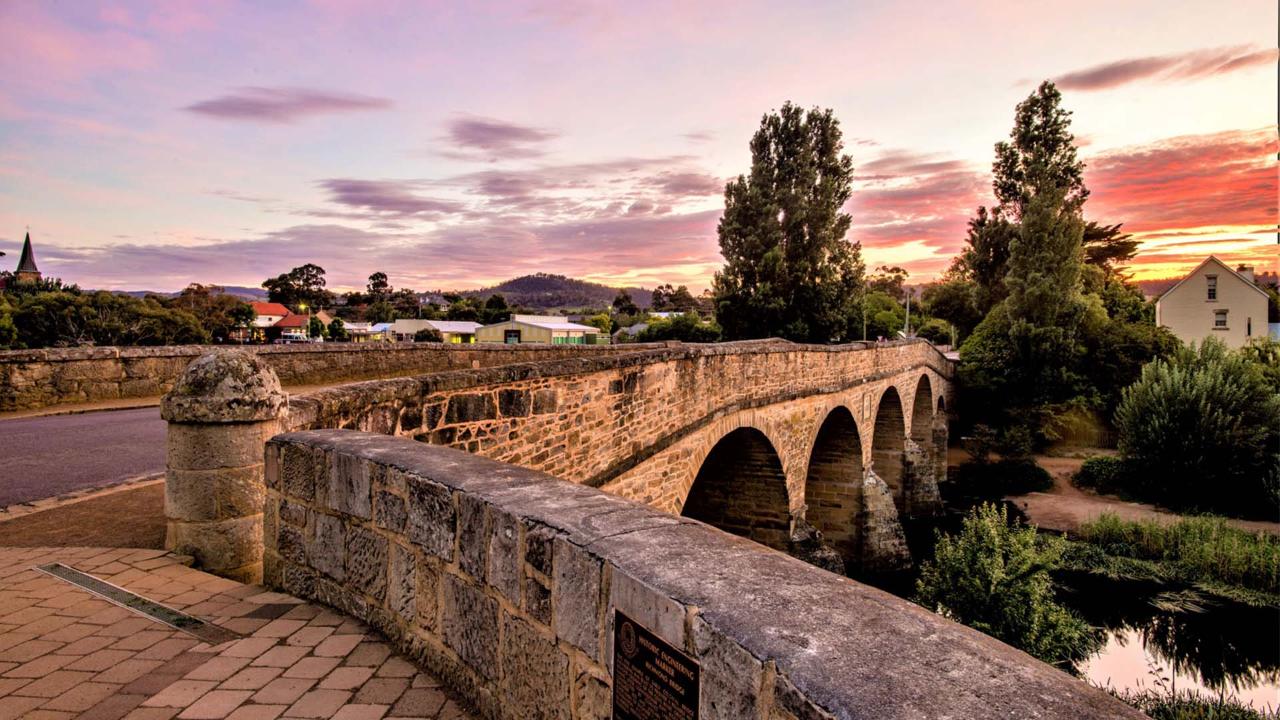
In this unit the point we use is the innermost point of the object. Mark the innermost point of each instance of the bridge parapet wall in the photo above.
(504, 581)
(592, 419)
(31, 379)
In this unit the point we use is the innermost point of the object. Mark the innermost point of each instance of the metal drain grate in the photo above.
(193, 626)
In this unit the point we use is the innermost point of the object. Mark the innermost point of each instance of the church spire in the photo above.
(27, 269)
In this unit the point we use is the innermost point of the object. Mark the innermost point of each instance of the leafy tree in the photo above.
(890, 281)
(624, 305)
(885, 317)
(242, 315)
(953, 300)
(406, 304)
(495, 310)
(1204, 426)
(995, 578)
(337, 330)
(1039, 156)
(428, 334)
(686, 327)
(62, 319)
(316, 328)
(602, 321)
(303, 285)
(789, 270)
(937, 331)
(985, 258)
(1106, 246)
(8, 332)
(378, 286)
(216, 310)
(380, 312)
(669, 299)
(462, 309)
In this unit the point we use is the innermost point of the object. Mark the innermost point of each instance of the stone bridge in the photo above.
(764, 439)
(505, 569)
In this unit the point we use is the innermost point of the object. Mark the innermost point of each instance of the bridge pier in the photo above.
(884, 544)
(221, 412)
(941, 439)
(920, 496)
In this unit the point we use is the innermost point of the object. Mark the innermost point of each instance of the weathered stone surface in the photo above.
(428, 592)
(209, 447)
(366, 564)
(730, 681)
(576, 597)
(225, 386)
(513, 403)
(300, 466)
(808, 545)
(922, 498)
(593, 698)
(432, 518)
(535, 673)
(469, 625)
(402, 583)
(291, 544)
(537, 600)
(219, 545)
(468, 408)
(349, 487)
(473, 536)
(327, 550)
(505, 556)
(389, 511)
(539, 541)
(884, 544)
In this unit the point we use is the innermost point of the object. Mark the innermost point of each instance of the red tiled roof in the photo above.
(269, 308)
(290, 321)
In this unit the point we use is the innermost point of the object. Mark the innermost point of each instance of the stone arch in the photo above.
(922, 412)
(888, 442)
(942, 405)
(741, 488)
(833, 486)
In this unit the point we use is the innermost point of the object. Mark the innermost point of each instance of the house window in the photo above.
(1219, 319)
(511, 337)
(1248, 327)
(1213, 286)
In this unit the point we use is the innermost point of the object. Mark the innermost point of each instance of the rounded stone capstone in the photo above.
(225, 386)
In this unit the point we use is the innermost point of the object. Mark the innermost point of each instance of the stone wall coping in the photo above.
(849, 649)
(309, 408)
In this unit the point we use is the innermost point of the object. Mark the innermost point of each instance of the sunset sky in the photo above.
(453, 145)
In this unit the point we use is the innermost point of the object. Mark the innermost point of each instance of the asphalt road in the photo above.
(42, 457)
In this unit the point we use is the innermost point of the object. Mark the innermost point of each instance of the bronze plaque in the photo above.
(651, 679)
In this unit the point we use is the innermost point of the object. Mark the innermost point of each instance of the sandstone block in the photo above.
(402, 583)
(731, 677)
(576, 597)
(432, 519)
(349, 486)
(535, 673)
(366, 563)
(473, 535)
(218, 545)
(469, 624)
(389, 511)
(504, 555)
(327, 548)
(470, 407)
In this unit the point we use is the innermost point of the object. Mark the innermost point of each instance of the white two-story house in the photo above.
(1215, 301)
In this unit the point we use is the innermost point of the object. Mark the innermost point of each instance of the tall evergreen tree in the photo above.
(1040, 154)
(789, 270)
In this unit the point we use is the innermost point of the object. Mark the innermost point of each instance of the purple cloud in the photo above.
(385, 197)
(283, 105)
(1182, 66)
(495, 139)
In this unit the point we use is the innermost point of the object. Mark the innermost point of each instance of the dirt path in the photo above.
(1065, 507)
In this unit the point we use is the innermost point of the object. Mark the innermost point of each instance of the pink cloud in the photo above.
(283, 105)
(1181, 66)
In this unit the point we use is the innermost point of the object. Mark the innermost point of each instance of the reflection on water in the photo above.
(1162, 639)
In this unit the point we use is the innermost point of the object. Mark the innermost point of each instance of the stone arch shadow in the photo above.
(834, 483)
(741, 488)
(888, 442)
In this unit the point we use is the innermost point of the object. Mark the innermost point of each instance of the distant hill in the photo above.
(546, 292)
(1155, 288)
(244, 293)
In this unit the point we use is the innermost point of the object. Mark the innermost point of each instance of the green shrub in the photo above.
(1104, 474)
(1201, 548)
(1204, 427)
(997, 479)
(995, 578)
(1188, 705)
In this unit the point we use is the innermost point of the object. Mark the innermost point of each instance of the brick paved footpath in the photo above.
(66, 653)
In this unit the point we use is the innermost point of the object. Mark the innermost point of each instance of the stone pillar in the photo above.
(941, 437)
(221, 412)
(920, 496)
(884, 544)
